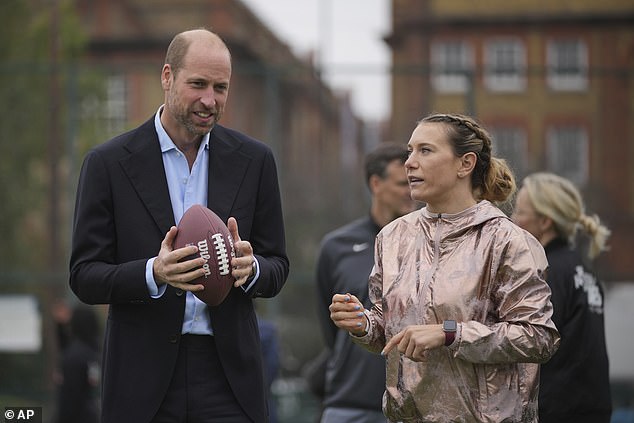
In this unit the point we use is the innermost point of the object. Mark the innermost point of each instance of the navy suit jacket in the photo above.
(122, 214)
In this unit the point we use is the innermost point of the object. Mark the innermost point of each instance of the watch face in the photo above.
(449, 326)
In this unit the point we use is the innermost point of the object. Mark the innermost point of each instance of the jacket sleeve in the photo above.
(96, 277)
(267, 235)
(374, 340)
(519, 327)
(324, 281)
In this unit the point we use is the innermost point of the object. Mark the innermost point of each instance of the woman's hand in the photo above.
(413, 341)
(346, 311)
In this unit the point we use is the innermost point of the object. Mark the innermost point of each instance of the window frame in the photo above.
(445, 79)
(115, 104)
(557, 155)
(559, 80)
(504, 135)
(500, 76)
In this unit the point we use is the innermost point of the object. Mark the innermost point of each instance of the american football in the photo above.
(203, 228)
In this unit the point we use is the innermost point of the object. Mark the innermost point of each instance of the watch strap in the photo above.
(449, 327)
(449, 338)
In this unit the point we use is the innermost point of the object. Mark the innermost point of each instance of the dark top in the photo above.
(355, 378)
(574, 384)
(78, 392)
(270, 360)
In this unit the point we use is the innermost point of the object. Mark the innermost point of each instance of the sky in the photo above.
(346, 37)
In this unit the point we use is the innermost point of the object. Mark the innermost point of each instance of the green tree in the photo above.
(27, 71)
(41, 90)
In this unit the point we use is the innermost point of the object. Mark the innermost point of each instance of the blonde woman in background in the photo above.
(459, 306)
(574, 384)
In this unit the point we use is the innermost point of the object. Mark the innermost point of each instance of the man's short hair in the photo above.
(177, 49)
(377, 160)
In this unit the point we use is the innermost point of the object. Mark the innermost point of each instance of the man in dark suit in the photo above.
(168, 357)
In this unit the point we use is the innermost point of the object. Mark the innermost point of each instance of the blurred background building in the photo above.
(553, 80)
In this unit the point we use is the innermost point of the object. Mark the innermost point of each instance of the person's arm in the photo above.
(267, 236)
(98, 274)
(525, 331)
(324, 290)
(373, 320)
(95, 275)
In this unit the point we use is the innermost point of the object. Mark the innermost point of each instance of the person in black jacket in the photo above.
(574, 384)
(355, 378)
(269, 344)
(168, 355)
(78, 385)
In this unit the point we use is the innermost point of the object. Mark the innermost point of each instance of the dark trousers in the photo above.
(199, 391)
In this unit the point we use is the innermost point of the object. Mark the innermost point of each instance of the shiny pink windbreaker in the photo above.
(480, 269)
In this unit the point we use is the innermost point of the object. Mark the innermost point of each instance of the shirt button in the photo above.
(179, 292)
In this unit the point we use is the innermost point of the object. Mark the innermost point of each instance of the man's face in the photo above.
(392, 193)
(196, 95)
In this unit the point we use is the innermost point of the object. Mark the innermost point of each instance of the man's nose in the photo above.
(208, 99)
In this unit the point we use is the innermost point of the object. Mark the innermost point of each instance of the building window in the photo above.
(509, 143)
(567, 63)
(567, 152)
(505, 65)
(452, 66)
(115, 105)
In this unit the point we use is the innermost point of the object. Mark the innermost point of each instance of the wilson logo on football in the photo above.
(203, 251)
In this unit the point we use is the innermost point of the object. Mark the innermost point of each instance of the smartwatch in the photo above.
(449, 327)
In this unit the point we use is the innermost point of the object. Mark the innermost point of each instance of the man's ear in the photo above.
(166, 77)
(374, 182)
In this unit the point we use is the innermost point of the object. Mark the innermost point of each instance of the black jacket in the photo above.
(78, 392)
(122, 214)
(574, 384)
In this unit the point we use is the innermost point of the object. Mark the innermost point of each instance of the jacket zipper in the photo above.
(435, 258)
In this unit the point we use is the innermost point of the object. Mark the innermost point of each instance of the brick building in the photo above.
(552, 80)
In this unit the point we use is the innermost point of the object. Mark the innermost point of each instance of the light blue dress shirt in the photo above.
(186, 189)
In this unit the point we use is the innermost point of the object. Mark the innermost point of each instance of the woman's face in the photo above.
(432, 167)
(525, 216)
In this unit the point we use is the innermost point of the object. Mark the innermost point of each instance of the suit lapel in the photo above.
(144, 168)
(227, 165)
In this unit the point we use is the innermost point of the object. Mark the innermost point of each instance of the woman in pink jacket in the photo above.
(460, 310)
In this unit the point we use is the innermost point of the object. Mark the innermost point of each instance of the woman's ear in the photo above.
(545, 224)
(467, 163)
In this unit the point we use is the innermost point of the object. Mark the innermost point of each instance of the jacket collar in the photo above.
(144, 168)
(227, 165)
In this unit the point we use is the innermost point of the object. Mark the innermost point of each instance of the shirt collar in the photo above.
(165, 141)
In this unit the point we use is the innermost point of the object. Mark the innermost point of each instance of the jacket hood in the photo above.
(457, 224)
(478, 213)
